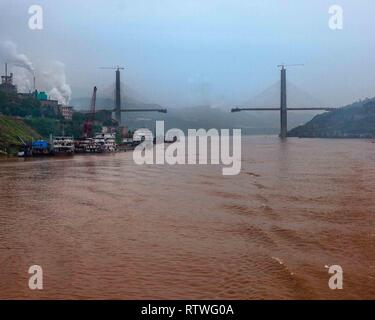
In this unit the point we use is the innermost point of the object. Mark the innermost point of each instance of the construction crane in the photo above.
(283, 65)
(113, 68)
(89, 123)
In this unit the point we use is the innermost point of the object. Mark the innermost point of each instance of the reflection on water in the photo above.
(102, 227)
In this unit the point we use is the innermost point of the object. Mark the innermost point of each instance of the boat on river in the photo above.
(63, 146)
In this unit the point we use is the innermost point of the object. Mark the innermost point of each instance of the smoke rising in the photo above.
(23, 80)
(25, 70)
(56, 80)
(10, 54)
(51, 77)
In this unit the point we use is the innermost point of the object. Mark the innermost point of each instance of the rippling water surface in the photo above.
(103, 227)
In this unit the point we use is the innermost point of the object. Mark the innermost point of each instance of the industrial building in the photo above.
(66, 111)
(7, 85)
(45, 102)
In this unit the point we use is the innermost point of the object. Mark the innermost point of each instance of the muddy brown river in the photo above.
(101, 226)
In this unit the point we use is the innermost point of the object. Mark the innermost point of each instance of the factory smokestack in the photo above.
(9, 53)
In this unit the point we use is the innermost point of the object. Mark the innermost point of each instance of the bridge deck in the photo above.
(288, 109)
(144, 110)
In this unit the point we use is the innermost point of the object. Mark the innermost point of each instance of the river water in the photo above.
(102, 227)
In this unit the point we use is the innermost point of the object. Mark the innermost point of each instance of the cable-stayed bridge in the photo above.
(283, 108)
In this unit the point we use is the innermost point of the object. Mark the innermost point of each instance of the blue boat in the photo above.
(41, 147)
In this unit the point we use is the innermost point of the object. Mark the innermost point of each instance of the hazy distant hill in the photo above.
(83, 103)
(354, 121)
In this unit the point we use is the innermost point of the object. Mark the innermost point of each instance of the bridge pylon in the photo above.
(283, 105)
(283, 109)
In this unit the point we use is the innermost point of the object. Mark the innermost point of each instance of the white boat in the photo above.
(106, 142)
(63, 146)
(86, 145)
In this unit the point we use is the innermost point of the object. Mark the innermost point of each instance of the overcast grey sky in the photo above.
(178, 52)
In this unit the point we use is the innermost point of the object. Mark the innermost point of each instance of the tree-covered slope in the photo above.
(11, 130)
(354, 121)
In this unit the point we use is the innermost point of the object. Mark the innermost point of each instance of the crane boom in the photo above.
(113, 68)
(89, 123)
(290, 65)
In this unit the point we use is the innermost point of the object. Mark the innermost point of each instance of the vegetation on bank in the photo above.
(354, 121)
(25, 107)
(12, 130)
(57, 127)
(24, 117)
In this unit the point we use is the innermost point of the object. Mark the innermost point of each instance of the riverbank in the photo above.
(12, 132)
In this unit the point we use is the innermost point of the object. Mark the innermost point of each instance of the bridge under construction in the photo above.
(118, 110)
(283, 109)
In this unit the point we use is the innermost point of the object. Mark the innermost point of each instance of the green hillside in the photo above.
(11, 129)
(354, 121)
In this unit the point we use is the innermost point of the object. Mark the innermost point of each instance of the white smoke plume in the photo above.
(23, 77)
(55, 79)
(51, 77)
(10, 54)
(23, 80)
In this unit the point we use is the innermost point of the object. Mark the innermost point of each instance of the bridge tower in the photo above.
(118, 109)
(117, 93)
(283, 105)
(283, 109)
(118, 97)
